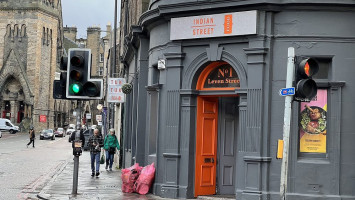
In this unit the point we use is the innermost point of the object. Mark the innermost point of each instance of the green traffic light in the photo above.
(75, 88)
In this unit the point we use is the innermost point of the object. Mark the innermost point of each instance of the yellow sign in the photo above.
(313, 143)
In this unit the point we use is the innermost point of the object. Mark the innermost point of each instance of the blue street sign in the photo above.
(287, 91)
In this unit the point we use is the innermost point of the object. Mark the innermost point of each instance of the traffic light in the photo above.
(59, 86)
(79, 83)
(306, 87)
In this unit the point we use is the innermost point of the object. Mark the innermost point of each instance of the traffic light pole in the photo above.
(75, 175)
(76, 157)
(287, 122)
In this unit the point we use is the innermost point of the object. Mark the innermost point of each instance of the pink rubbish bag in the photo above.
(129, 177)
(145, 179)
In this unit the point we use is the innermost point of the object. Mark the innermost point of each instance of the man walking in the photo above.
(32, 137)
(95, 143)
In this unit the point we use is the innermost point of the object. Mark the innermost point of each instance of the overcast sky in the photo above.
(85, 13)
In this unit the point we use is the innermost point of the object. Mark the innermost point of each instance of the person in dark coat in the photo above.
(31, 132)
(95, 143)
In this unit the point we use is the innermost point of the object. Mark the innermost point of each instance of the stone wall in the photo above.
(35, 52)
(93, 43)
(70, 33)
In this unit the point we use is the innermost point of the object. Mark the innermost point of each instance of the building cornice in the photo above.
(164, 10)
(131, 43)
(36, 7)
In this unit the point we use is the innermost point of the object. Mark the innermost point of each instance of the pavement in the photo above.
(106, 186)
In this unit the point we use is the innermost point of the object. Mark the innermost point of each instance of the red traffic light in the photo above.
(77, 60)
(307, 68)
(306, 87)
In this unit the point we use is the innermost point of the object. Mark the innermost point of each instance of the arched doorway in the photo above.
(216, 130)
(13, 104)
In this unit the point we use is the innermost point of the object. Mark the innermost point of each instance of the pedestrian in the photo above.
(95, 143)
(110, 146)
(31, 132)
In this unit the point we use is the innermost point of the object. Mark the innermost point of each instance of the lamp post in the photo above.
(113, 69)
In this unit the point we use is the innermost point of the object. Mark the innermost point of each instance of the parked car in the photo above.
(59, 132)
(47, 134)
(70, 130)
(6, 125)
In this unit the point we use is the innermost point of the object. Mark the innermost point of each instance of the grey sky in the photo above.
(85, 13)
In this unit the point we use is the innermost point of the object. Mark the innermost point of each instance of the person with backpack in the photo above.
(110, 146)
(32, 134)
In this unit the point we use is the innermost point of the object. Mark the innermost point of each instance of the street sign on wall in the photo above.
(287, 91)
(218, 25)
(42, 118)
(99, 118)
(88, 115)
(114, 90)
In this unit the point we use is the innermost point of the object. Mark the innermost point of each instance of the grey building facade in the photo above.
(205, 105)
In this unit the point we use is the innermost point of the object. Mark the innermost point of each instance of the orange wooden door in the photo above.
(206, 146)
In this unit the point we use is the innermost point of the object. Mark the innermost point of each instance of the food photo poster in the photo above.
(313, 124)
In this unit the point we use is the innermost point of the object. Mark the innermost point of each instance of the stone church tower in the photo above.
(30, 45)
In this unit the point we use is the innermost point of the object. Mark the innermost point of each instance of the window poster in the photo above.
(313, 124)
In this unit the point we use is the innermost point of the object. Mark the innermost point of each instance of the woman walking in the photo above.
(110, 146)
(32, 137)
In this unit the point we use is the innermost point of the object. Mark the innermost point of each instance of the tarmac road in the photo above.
(25, 171)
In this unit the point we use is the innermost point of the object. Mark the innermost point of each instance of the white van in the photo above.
(6, 125)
